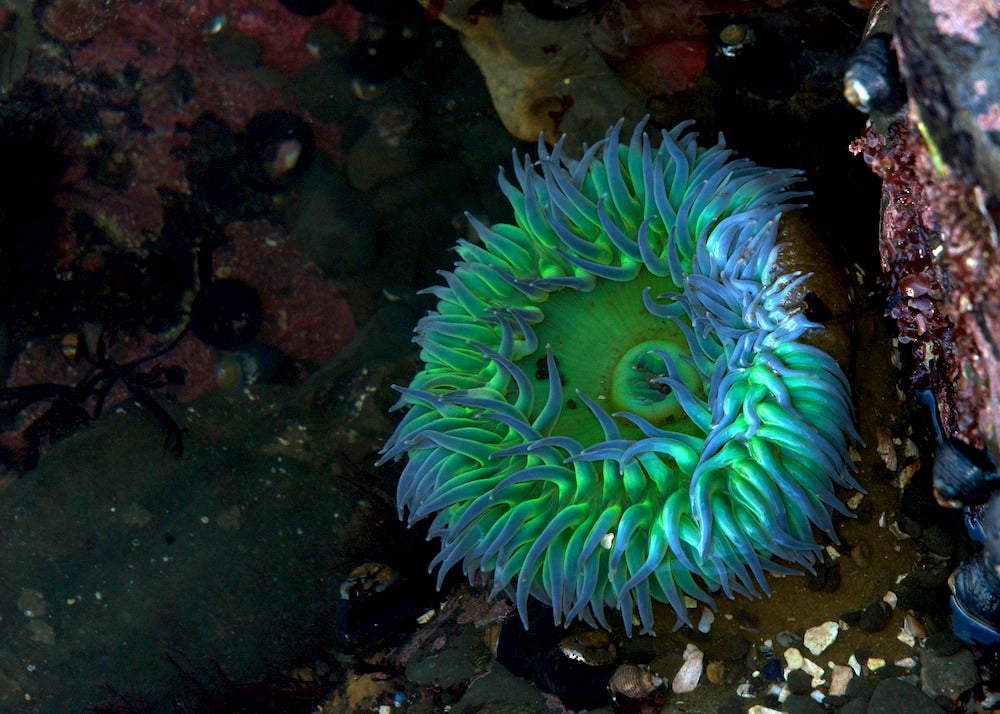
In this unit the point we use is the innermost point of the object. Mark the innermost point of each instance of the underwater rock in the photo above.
(544, 76)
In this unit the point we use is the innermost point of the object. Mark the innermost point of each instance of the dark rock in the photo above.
(948, 675)
(875, 617)
(891, 671)
(503, 691)
(894, 696)
(855, 706)
(799, 682)
(452, 665)
(943, 643)
(803, 704)
(788, 638)
(835, 701)
(859, 687)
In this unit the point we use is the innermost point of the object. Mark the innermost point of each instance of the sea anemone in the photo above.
(617, 405)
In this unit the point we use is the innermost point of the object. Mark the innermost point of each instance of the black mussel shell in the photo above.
(976, 601)
(872, 83)
(307, 8)
(226, 314)
(963, 475)
(989, 519)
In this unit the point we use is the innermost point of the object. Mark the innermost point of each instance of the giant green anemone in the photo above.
(617, 403)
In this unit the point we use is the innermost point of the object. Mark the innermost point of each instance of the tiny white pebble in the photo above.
(706, 620)
(793, 658)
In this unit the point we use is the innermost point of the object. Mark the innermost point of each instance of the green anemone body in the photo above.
(616, 405)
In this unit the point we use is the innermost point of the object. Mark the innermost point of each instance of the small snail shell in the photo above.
(634, 681)
(734, 39)
(872, 83)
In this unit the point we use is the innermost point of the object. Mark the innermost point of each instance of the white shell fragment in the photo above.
(814, 671)
(688, 675)
(820, 637)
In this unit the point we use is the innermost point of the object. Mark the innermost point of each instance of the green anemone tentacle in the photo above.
(617, 405)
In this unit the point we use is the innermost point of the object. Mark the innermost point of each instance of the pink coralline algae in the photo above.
(305, 314)
(962, 18)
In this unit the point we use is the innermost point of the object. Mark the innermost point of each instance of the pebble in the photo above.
(814, 670)
(688, 675)
(771, 671)
(943, 643)
(793, 658)
(875, 617)
(855, 706)
(822, 636)
(799, 681)
(803, 704)
(859, 688)
(894, 696)
(840, 676)
(950, 675)
(716, 672)
(706, 620)
(938, 541)
(788, 638)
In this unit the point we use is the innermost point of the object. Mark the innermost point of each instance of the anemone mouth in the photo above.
(616, 406)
